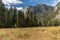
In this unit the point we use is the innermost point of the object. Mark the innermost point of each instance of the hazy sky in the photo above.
(20, 4)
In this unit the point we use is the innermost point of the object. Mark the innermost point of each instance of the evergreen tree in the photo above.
(9, 17)
(13, 20)
(2, 14)
(20, 19)
(31, 19)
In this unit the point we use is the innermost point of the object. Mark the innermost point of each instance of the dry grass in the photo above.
(39, 33)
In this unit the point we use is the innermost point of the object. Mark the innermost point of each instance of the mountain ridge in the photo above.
(43, 11)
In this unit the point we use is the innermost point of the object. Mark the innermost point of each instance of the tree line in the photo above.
(12, 18)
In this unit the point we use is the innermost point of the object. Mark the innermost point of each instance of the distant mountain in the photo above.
(26, 10)
(57, 11)
(43, 11)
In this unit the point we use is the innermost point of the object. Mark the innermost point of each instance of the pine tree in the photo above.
(13, 20)
(9, 17)
(20, 19)
(2, 14)
(31, 19)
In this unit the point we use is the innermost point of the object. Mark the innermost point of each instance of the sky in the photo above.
(20, 4)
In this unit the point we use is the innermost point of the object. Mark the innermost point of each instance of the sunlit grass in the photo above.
(35, 33)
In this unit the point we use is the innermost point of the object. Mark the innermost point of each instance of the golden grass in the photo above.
(37, 33)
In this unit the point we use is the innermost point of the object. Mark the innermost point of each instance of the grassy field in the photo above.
(39, 33)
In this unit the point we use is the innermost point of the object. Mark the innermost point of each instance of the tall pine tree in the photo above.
(2, 14)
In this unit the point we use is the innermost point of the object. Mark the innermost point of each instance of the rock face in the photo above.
(57, 10)
(41, 8)
(26, 10)
(43, 11)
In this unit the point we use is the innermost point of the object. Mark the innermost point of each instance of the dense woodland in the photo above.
(12, 18)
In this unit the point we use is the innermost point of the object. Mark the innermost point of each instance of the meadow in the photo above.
(35, 33)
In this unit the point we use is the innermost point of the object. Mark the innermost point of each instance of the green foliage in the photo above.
(31, 20)
(20, 19)
(13, 18)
